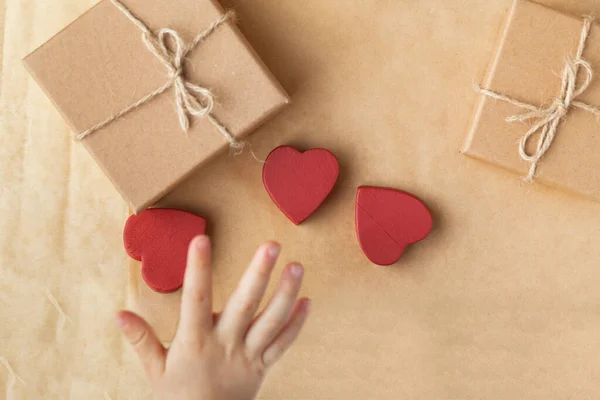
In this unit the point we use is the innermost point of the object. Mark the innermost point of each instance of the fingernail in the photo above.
(121, 322)
(297, 271)
(308, 306)
(273, 250)
(201, 242)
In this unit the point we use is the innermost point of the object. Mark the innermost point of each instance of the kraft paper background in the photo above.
(501, 301)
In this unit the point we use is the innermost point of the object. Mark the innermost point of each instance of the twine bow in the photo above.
(548, 118)
(192, 100)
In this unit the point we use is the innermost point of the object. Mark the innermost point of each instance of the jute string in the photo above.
(547, 118)
(191, 100)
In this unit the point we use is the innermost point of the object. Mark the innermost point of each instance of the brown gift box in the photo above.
(99, 66)
(528, 67)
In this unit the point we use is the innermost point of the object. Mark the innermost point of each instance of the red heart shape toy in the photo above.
(299, 182)
(160, 238)
(388, 220)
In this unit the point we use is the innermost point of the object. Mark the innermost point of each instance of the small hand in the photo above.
(226, 356)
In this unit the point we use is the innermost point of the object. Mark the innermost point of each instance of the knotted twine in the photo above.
(548, 118)
(192, 100)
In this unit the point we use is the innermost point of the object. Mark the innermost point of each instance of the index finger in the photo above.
(196, 318)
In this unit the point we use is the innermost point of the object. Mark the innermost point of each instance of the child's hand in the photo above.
(222, 357)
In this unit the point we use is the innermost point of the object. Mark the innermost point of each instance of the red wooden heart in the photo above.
(299, 182)
(160, 238)
(388, 220)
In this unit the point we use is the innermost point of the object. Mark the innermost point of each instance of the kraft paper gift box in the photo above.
(538, 110)
(102, 64)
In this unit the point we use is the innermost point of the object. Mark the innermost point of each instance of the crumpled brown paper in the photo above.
(500, 302)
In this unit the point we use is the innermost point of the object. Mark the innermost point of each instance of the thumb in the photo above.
(150, 351)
